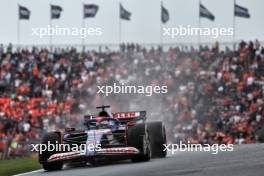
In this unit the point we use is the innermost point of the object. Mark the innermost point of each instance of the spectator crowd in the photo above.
(213, 96)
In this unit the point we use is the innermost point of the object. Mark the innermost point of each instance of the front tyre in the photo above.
(138, 137)
(52, 166)
(52, 138)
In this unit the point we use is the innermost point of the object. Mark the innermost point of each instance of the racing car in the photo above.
(113, 136)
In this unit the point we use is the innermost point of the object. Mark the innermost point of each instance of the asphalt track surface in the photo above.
(245, 160)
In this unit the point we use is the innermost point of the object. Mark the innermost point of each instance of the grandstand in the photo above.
(214, 96)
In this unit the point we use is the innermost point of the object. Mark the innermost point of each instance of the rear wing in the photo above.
(125, 117)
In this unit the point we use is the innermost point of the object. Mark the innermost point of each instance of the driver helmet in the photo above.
(104, 113)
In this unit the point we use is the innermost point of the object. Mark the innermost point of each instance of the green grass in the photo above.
(16, 166)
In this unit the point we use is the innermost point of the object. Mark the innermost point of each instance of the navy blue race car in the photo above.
(106, 136)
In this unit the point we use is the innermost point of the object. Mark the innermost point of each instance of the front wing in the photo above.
(102, 152)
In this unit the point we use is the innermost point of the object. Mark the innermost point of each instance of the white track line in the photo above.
(31, 172)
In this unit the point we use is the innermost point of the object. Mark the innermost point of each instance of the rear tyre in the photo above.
(138, 137)
(157, 134)
(53, 138)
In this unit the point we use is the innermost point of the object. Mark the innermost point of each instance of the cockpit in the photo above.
(102, 123)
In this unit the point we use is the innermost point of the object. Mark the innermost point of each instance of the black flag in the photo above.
(124, 14)
(23, 13)
(90, 10)
(164, 15)
(205, 13)
(241, 11)
(55, 11)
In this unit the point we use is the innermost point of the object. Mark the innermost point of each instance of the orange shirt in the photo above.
(50, 80)
(35, 71)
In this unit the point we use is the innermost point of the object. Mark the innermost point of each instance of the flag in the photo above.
(55, 11)
(124, 14)
(205, 13)
(89, 10)
(164, 15)
(23, 13)
(241, 11)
